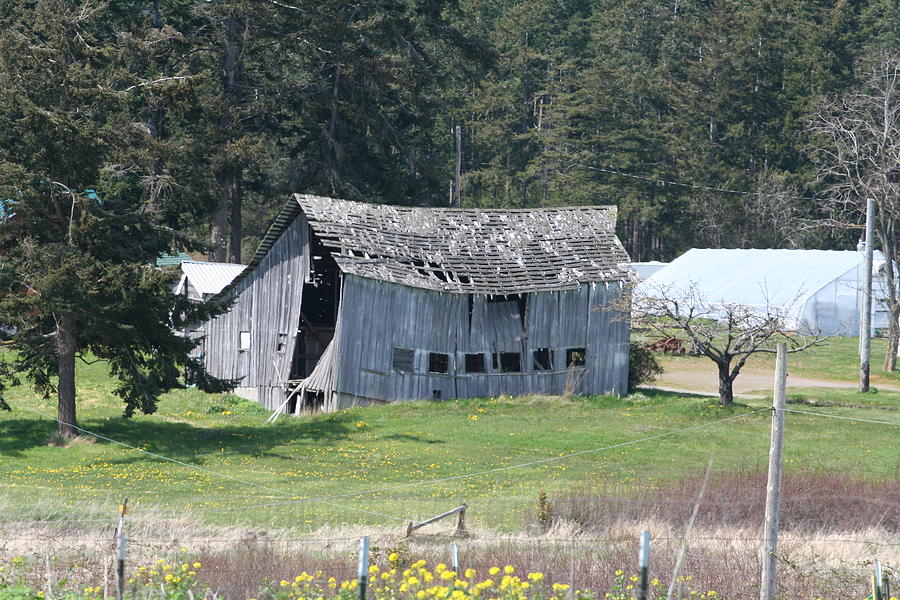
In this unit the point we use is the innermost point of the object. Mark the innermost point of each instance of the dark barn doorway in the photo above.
(318, 310)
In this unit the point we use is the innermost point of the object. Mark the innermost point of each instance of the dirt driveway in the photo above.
(700, 376)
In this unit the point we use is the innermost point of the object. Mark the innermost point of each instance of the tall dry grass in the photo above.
(833, 527)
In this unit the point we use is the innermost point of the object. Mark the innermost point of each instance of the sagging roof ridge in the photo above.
(460, 250)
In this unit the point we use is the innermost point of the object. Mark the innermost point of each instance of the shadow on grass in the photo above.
(658, 394)
(182, 441)
(405, 437)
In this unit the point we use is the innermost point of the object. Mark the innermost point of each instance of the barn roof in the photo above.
(498, 251)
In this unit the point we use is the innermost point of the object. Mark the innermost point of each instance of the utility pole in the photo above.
(457, 173)
(865, 317)
(773, 487)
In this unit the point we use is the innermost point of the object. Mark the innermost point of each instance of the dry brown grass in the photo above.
(833, 528)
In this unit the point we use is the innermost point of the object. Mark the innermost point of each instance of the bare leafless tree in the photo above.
(727, 333)
(858, 157)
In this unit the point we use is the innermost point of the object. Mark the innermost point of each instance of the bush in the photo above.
(642, 366)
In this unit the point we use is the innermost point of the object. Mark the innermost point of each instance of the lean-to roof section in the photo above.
(469, 250)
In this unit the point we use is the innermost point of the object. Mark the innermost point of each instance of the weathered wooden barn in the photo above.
(347, 303)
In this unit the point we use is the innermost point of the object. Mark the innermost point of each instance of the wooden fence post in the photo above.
(363, 566)
(120, 542)
(49, 594)
(773, 486)
(460, 523)
(570, 593)
(644, 564)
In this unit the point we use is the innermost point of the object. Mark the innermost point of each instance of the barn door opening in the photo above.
(318, 311)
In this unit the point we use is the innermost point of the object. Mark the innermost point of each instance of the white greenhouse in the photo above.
(819, 291)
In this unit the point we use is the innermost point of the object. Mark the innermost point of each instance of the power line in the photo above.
(817, 414)
(498, 469)
(666, 182)
(204, 470)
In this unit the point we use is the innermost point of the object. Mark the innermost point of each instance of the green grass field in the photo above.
(835, 359)
(330, 463)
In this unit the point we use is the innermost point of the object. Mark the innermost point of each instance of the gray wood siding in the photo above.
(267, 303)
(376, 317)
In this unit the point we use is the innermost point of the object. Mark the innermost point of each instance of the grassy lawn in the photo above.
(838, 359)
(358, 450)
(835, 359)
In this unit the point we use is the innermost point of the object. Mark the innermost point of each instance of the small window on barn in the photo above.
(543, 359)
(575, 357)
(403, 360)
(244, 341)
(508, 362)
(475, 363)
(438, 362)
(280, 343)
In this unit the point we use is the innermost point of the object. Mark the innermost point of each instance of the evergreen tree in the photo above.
(79, 230)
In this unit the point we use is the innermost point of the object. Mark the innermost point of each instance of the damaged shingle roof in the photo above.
(468, 250)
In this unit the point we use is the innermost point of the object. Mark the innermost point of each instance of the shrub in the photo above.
(642, 366)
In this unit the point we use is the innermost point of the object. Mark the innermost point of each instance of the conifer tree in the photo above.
(79, 229)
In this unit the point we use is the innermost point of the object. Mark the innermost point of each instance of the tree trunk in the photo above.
(234, 239)
(726, 381)
(219, 231)
(66, 345)
(885, 235)
(155, 19)
(221, 241)
(893, 333)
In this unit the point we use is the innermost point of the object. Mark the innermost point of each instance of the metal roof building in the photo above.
(347, 303)
(817, 290)
(203, 280)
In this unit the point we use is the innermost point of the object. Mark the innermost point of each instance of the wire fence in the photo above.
(814, 557)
